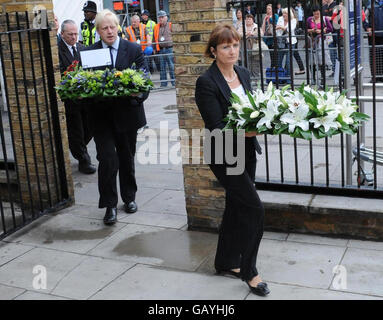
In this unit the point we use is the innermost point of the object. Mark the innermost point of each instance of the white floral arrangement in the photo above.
(300, 113)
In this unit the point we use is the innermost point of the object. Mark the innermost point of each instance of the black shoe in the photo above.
(229, 272)
(86, 167)
(110, 216)
(130, 207)
(260, 290)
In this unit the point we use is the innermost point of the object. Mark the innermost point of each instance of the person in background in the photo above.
(278, 10)
(88, 34)
(252, 43)
(149, 23)
(314, 28)
(56, 28)
(77, 114)
(115, 123)
(300, 15)
(267, 30)
(164, 47)
(153, 62)
(284, 30)
(138, 33)
(378, 27)
(241, 228)
(238, 23)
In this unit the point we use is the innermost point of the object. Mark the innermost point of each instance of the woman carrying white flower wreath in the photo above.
(241, 229)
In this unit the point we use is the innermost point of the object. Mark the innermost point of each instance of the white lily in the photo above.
(297, 118)
(254, 114)
(237, 106)
(294, 100)
(270, 112)
(345, 110)
(327, 122)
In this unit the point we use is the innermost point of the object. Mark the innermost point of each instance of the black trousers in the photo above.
(79, 132)
(241, 229)
(115, 153)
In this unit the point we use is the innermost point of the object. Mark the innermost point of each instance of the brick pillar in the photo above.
(26, 88)
(193, 21)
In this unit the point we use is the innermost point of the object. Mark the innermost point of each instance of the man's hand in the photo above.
(369, 30)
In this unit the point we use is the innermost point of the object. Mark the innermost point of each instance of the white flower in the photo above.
(270, 112)
(297, 118)
(345, 110)
(327, 122)
(254, 114)
(294, 100)
(237, 106)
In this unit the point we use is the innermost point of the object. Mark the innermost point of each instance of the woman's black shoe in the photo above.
(229, 272)
(260, 290)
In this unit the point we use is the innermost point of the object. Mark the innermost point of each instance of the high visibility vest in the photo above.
(132, 35)
(157, 34)
(88, 35)
(120, 32)
(150, 24)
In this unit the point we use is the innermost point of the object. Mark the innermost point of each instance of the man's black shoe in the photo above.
(110, 216)
(86, 167)
(130, 207)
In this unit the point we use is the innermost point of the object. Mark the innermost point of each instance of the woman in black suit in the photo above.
(242, 223)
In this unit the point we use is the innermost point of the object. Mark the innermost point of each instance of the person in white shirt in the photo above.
(283, 31)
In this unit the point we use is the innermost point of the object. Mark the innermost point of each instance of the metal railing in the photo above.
(30, 130)
(319, 166)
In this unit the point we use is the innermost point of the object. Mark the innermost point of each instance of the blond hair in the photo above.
(103, 15)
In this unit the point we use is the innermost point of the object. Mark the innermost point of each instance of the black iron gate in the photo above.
(337, 165)
(32, 168)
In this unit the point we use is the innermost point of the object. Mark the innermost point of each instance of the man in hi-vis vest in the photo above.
(138, 33)
(88, 34)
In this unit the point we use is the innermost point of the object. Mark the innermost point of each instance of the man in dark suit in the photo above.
(115, 124)
(79, 133)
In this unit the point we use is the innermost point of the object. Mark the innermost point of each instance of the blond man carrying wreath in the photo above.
(115, 123)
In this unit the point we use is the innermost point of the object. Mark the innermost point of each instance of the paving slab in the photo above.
(87, 194)
(281, 236)
(170, 285)
(65, 232)
(285, 198)
(93, 274)
(305, 238)
(10, 251)
(160, 179)
(158, 246)
(19, 272)
(364, 271)
(30, 295)
(288, 292)
(296, 263)
(9, 293)
(362, 244)
(322, 202)
(168, 201)
(155, 219)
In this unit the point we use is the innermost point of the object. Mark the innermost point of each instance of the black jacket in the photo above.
(213, 97)
(126, 113)
(65, 56)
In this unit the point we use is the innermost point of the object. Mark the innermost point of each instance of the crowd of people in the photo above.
(278, 27)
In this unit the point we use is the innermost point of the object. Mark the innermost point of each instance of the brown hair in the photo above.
(223, 33)
(249, 15)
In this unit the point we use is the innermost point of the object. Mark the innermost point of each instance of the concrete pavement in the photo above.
(151, 255)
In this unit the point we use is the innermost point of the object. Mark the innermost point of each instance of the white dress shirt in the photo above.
(115, 46)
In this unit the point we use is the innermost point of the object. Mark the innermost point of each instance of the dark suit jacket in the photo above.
(65, 56)
(125, 113)
(213, 97)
